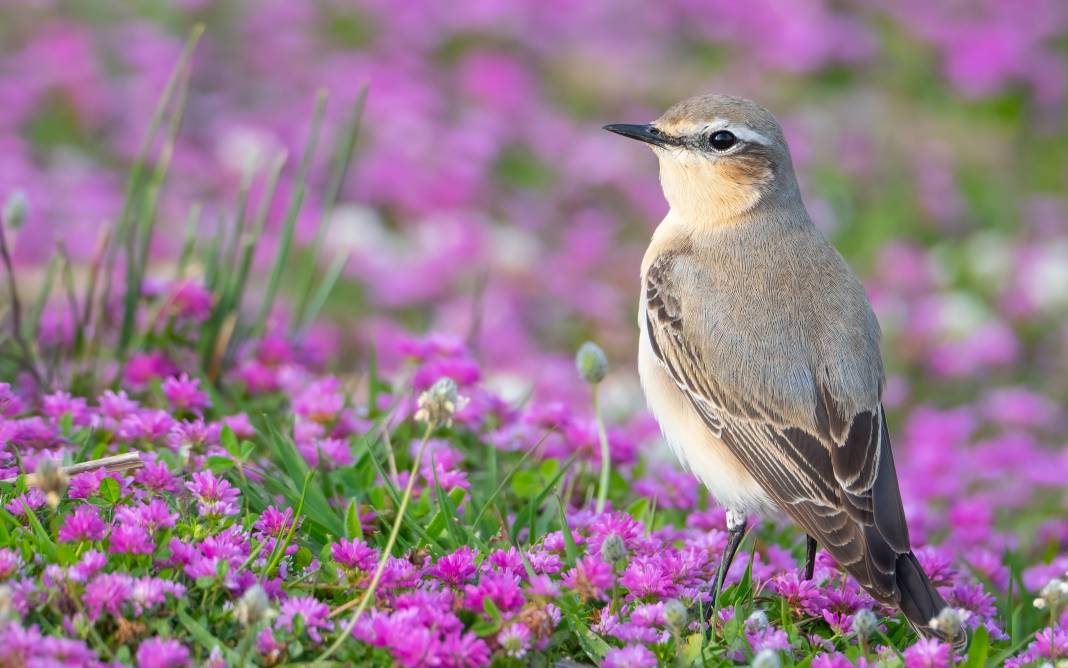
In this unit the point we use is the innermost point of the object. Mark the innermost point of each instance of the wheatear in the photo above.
(759, 351)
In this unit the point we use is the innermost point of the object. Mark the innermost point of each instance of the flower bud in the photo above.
(15, 209)
(253, 607)
(438, 404)
(591, 363)
(950, 622)
(676, 615)
(613, 549)
(51, 480)
(758, 620)
(864, 623)
(766, 658)
(1053, 596)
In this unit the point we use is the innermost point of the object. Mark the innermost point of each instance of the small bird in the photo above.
(759, 352)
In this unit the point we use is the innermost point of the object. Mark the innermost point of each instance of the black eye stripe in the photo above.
(722, 140)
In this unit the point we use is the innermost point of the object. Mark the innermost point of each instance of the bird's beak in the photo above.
(647, 133)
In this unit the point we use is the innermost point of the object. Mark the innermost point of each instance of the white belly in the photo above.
(696, 447)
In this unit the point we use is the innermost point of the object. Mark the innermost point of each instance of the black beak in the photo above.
(648, 133)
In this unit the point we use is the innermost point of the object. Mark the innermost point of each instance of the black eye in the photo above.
(722, 140)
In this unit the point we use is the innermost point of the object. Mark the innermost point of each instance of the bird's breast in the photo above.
(693, 443)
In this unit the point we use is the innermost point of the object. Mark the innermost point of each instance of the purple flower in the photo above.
(156, 477)
(645, 576)
(502, 588)
(314, 614)
(215, 496)
(107, 593)
(92, 562)
(9, 563)
(83, 524)
(160, 653)
(33, 498)
(152, 516)
(334, 452)
(515, 640)
(927, 653)
(464, 650)
(455, 568)
(144, 367)
(354, 554)
(589, 578)
(10, 404)
(321, 401)
(184, 394)
(130, 539)
(85, 485)
(191, 300)
(273, 521)
(631, 656)
(58, 404)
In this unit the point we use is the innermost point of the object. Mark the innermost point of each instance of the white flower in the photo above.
(439, 403)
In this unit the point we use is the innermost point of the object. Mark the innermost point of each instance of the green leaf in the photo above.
(110, 490)
(218, 463)
(352, 521)
(979, 649)
(44, 541)
(570, 548)
(229, 441)
(592, 644)
(526, 484)
(487, 627)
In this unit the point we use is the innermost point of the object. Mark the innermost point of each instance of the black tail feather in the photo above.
(920, 601)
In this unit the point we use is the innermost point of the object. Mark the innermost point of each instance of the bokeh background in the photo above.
(486, 205)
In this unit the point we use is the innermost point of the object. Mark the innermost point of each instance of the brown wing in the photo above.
(837, 480)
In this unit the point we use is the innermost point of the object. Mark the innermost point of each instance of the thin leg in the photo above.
(736, 524)
(810, 557)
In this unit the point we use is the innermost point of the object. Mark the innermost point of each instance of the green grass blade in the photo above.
(339, 170)
(333, 273)
(295, 203)
(137, 253)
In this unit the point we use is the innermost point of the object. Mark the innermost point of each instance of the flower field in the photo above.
(292, 294)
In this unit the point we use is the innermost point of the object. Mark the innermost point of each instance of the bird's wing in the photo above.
(836, 480)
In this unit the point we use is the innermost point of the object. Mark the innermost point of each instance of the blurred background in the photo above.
(486, 205)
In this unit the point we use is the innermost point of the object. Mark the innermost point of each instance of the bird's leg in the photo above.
(810, 556)
(735, 532)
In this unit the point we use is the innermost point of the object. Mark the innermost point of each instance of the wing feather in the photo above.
(836, 480)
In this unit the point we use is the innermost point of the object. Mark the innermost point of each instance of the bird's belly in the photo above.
(696, 447)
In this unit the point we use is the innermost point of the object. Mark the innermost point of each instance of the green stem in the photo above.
(369, 594)
(606, 460)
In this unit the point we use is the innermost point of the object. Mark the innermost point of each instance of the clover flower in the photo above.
(437, 405)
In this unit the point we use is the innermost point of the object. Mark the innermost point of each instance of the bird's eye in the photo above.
(722, 140)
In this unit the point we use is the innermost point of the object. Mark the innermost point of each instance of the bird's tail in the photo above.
(920, 601)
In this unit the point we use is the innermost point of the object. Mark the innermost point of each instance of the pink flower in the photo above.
(927, 653)
(321, 401)
(130, 539)
(215, 495)
(314, 614)
(191, 300)
(455, 568)
(502, 588)
(160, 653)
(184, 394)
(631, 656)
(83, 524)
(354, 554)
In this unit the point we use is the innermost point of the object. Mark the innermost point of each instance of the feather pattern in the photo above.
(832, 473)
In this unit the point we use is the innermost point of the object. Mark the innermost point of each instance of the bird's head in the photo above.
(720, 156)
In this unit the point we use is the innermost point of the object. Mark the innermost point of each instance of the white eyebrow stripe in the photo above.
(742, 132)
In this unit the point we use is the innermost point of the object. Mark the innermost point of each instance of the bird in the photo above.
(760, 355)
